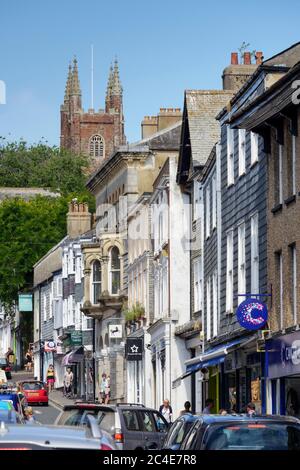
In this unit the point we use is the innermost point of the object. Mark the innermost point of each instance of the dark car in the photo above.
(179, 430)
(6, 367)
(131, 426)
(241, 432)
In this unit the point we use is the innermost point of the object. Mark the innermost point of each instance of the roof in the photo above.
(166, 139)
(26, 193)
(202, 107)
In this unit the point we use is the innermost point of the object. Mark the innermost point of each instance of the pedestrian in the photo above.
(28, 361)
(68, 382)
(222, 412)
(250, 408)
(30, 419)
(187, 408)
(166, 410)
(50, 377)
(10, 357)
(209, 404)
(104, 389)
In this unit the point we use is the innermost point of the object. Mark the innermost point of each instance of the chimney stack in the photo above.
(79, 219)
(247, 58)
(259, 57)
(234, 58)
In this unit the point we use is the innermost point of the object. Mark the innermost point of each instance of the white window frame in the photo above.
(208, 309)
(198, 292)
(241, 262)
(214, 200)
(230, 156)
(229, 272)
(254, 254)
(93, 282)
(196, 199)
(294, 164)
(280, 289)
(254, 147)
(294, 284)
(215, 303)
(242, 152)
(207, 211)
(280, 158)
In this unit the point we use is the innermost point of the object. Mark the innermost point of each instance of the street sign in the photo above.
(252, 314)
(115, 331)
(25, 302)
(50, 346)
(134, 349)
(76, 338)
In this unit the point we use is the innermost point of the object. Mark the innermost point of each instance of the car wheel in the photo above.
(46, 404)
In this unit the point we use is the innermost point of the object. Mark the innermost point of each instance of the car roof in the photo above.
(50, 434)
(229, 418)
(98, 406)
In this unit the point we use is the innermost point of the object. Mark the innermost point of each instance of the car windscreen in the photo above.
(8, 416)
(253, 436)
(32, 386)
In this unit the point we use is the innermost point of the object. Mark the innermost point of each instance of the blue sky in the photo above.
(163, 48)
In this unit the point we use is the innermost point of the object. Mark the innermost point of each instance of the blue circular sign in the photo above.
(252, 314)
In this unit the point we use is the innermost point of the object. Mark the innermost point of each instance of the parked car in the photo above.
(241, 432)
(178, 431)
(6, 367)
(40, 437)
(131, 426)
(10, 416)
(17, 398)
(35, 391)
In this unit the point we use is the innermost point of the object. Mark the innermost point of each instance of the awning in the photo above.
(73, 357)
(213, 356)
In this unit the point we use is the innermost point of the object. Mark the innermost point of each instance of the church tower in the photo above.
(95, 134)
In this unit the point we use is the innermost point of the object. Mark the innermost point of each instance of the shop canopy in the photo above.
(213, 356)
(73, 357)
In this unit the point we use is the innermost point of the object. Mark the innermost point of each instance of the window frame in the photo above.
(241, 261)
(242, 151)
(254, 147)
(229, 272)
(96, 146)
(254, 253)
(230, 156)
(95, 283)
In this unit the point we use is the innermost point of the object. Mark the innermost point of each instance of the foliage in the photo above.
(41, 166)
(28, 229)
(136, 312)
(244, 46)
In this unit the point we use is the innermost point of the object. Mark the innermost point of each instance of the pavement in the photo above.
(57, 399)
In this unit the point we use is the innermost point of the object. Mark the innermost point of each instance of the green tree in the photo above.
(28, 229)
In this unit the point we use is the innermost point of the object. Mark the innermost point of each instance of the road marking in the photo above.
(37, 412)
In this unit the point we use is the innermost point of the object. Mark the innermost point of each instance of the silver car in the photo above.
(39, 437)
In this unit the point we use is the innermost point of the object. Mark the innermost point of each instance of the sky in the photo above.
(163, 48)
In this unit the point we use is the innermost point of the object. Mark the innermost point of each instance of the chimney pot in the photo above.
(234, 58)
(259, 57)
(247, 58)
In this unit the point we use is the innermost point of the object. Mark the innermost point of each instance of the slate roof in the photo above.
(202, 107)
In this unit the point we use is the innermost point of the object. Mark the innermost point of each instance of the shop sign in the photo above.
(115, 331)
(252, 314)
(25, 302)
(283, 355)
(76, 338)
(134, 349)
(50, 346)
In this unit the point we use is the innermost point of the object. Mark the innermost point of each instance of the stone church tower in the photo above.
(91, 133)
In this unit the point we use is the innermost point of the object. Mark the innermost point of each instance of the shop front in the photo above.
(283, 371)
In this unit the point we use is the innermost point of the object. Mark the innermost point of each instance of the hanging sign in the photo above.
(134, 349)
(252, 314)
(50, 346)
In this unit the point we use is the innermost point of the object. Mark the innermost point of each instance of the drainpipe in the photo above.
(94, 359)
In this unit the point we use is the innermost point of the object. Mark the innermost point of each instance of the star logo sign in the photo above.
(134, 349)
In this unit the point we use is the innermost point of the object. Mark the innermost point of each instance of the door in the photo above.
(132, 432)
(151, 436)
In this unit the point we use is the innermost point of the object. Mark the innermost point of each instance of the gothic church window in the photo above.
(97, 146)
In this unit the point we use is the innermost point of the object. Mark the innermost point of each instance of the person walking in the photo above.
(28, 363)
(209, 404)
(50, 377)
(104, 389)
(250, 408)
(30, 419)
(68, 382)
(166, 410)
(10, 357)
(187, 408)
